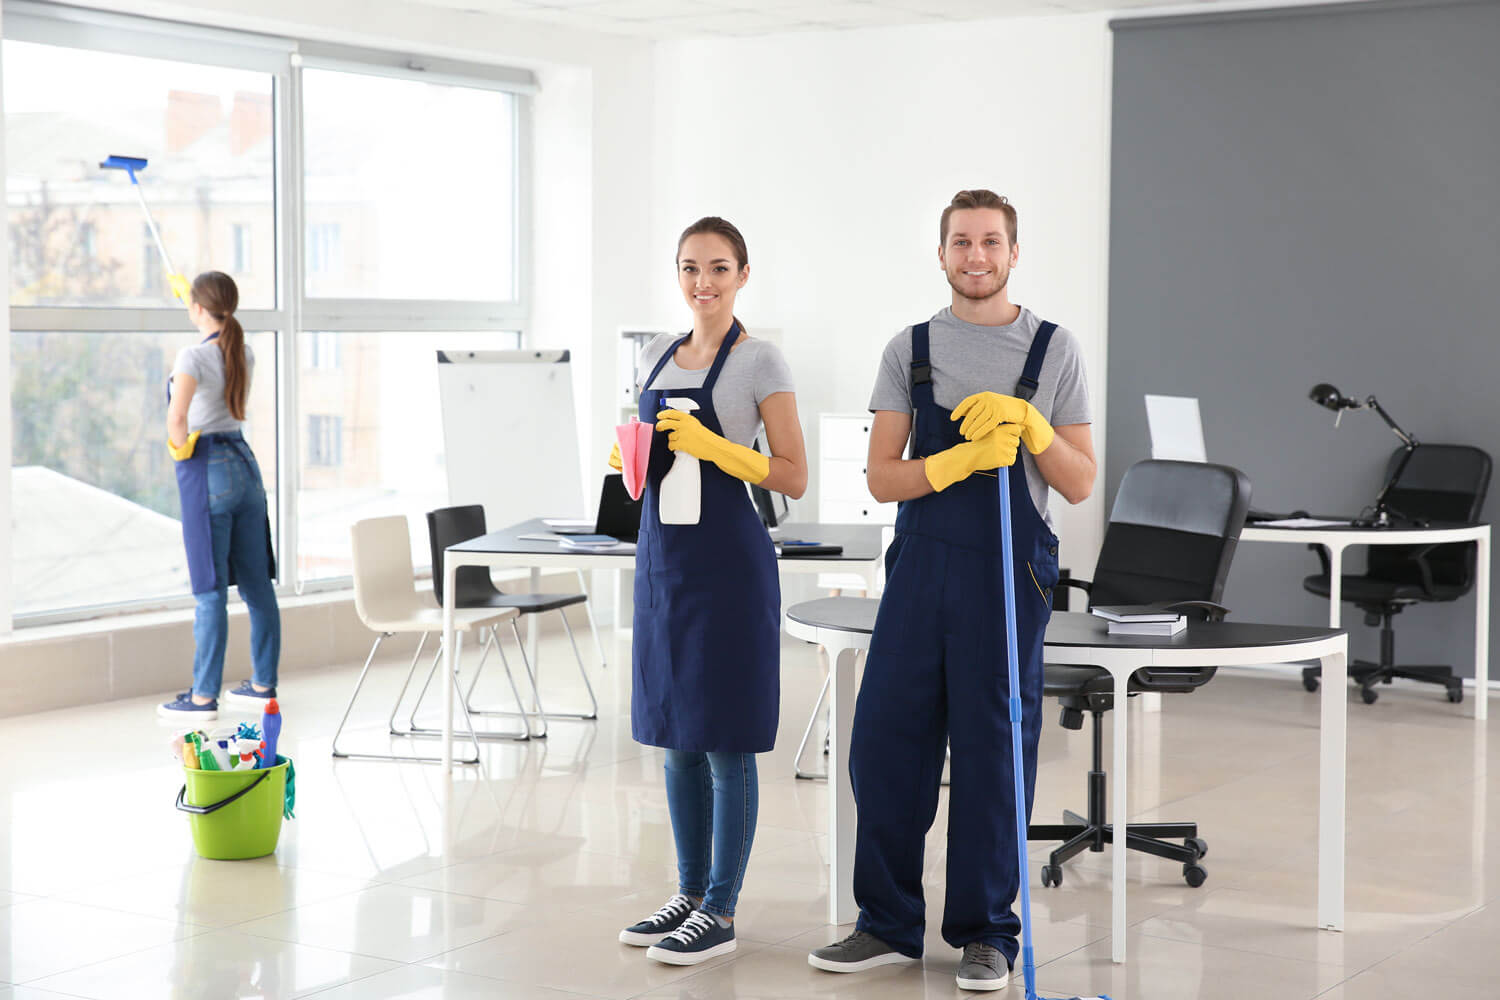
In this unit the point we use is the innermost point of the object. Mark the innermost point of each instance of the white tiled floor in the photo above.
(513, 880)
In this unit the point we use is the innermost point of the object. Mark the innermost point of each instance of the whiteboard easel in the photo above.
(510, 434)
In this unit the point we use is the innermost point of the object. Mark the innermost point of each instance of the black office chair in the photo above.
(1442, 482)
(451, 525)
(1171, 537)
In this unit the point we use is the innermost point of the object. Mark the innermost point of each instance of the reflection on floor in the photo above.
(513, 881)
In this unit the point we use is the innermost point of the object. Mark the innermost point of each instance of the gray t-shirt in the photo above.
(754, 370)
(967, 358)
(205, 363)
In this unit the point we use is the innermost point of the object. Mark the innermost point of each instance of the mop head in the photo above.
(129, 164)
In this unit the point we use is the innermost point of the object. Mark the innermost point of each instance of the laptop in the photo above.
(619, 516)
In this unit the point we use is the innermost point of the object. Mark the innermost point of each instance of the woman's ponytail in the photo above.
(216, 292)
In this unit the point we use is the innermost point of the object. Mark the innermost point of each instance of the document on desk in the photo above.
(1301, 522)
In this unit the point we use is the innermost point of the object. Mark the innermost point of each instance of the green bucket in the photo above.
(235, 814)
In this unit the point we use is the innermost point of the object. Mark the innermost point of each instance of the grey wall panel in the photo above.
(1302, 196)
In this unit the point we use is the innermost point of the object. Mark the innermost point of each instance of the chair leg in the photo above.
(409, 758)
(807, 734)
(429, 732)
(536, 696)
(533, 672)
(588, 609)
(539, 733)
(582, 672)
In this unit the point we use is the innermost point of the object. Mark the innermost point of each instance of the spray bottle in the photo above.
(270, 727)
(681, 487)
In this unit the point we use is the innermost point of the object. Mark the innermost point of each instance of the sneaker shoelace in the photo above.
(854, 940)
(674, 908)
(985, 954)
(692, 928)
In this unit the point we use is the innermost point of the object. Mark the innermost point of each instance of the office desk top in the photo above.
(1435, 532)
(1072, 629)
(1336, 538)
(844, 625)
(861, 543)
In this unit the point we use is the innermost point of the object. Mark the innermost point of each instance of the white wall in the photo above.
(835, 154)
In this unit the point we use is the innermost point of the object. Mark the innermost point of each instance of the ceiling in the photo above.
(710, 18)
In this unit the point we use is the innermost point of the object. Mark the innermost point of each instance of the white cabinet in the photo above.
(843, 494)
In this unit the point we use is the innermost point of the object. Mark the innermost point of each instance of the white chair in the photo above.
(387, 601)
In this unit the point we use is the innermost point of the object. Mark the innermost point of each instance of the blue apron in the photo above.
(706, 650)
(192, 494)
(935, 677)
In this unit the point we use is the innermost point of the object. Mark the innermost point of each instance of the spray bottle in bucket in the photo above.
(681, 487)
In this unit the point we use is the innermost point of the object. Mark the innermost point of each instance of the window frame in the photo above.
(293, 313)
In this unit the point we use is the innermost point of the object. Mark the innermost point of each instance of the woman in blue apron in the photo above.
(225, 524)
(706, 648)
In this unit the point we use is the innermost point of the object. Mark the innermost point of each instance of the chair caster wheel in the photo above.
(1199, 845)
(1455, 695)
(1195, 875)
(1310, 683)
(1370, 696)
(1051, 876)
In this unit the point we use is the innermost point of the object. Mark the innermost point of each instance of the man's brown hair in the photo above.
(980, 198)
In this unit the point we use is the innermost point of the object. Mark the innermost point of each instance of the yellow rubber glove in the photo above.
(184, 450)
(686, 432)
(984, 411)
(996, 450)
(614, 458)
(181, 287)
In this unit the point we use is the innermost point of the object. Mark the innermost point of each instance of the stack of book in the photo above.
(589, 542)
(1141, 619)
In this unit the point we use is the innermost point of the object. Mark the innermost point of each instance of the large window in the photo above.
(375, 434)
(407, 213)
(93, 494)
(410, 189)
(77, 236)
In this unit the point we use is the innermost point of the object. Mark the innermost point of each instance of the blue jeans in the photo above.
(237, 514)
(713, 799)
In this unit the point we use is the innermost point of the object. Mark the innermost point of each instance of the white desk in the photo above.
(843, 626)
(1337, 539)
(862, 554)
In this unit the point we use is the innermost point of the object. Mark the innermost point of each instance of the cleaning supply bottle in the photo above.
(270, 727)
(681, 487)
(189, 753)
(206, 760)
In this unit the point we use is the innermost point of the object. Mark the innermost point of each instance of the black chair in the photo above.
(1441, 482)
(451, 525)
(1171, 537)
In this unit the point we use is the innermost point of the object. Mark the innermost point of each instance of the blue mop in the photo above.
(1007, 551)
(131, 164)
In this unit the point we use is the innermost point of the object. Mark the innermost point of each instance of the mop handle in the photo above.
(151, 225)
(1012, 662)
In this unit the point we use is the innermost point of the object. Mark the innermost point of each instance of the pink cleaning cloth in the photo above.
(635, 454)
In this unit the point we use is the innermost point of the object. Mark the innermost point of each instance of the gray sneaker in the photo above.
(982, 968)
(856, 953)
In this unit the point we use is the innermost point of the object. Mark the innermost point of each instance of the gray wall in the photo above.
(1301, 196)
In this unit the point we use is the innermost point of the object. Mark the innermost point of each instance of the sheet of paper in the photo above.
(1301, 522)
(1176, 428)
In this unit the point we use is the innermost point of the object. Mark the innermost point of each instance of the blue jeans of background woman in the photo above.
(237, 514)
(713, 799)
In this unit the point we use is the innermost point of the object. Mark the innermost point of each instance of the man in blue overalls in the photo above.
(965, 389)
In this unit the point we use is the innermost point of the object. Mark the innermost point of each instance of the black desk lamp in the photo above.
(1328, 396)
